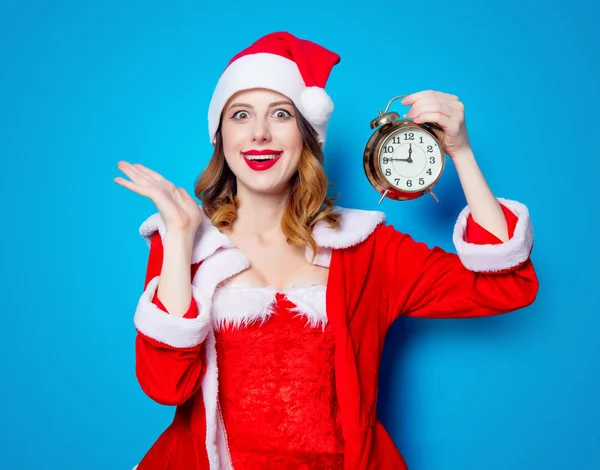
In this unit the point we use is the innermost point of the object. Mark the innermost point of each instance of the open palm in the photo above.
(179, 211)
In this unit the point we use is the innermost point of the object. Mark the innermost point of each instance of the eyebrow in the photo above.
(246, 105)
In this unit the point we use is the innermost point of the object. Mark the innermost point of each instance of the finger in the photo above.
(136, 188)
(436, 118)
(457, 106)
(134, 174)
(414, 97)
(129, 169)
(184, 192)
(185, 196)
(430, 106)
(147, 171)
(189, 202)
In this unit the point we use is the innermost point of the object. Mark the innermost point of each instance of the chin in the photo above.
(267, 187)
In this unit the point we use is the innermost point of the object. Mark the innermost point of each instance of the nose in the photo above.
(261, 131)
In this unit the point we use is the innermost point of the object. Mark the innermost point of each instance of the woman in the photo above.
(265, 310)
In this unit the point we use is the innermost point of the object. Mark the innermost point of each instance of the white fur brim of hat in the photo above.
(273, 72)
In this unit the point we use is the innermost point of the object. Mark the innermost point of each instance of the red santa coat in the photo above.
(376, 274)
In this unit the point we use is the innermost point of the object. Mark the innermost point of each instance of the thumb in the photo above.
(184, 193)
(190, 202)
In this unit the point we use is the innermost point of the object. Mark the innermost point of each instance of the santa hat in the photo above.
(294, 67)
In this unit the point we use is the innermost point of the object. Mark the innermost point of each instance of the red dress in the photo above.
(376, 274)
(284, 414)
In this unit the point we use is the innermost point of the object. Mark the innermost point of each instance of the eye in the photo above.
(282, 113)
(240, 115)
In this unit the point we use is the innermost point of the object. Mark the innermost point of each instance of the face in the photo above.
(261, 140)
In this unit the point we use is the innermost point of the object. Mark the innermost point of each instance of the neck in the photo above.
(259, 214)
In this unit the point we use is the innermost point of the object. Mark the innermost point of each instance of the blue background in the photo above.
(86, 84)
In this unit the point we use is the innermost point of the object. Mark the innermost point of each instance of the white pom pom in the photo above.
(315, 105)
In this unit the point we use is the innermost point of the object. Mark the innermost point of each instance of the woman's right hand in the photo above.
(179, 211)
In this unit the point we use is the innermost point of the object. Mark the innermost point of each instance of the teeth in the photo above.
(261, 157)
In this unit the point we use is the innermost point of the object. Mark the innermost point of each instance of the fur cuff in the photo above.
(490, 258)
(174, 331)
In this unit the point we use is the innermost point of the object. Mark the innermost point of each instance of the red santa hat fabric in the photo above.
(294, 67)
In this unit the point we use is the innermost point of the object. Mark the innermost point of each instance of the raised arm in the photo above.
(491, 273)
(485, 277)
(170, 358)
(169, 353)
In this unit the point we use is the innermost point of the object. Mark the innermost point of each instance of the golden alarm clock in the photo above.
(403, 160)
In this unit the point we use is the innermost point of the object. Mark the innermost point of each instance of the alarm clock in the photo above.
(403, 160)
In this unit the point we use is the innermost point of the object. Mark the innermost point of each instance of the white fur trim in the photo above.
(207, 238)
(355, 226)
(310, 303)
(223, 443)
(315, 105)
(323, 257)
(238, 306)
(490, 258)
(175, 331)
(261, 70)
(152, 224)
(223, 264)
(210, 388)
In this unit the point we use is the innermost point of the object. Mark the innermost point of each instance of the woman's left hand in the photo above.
(446, 111)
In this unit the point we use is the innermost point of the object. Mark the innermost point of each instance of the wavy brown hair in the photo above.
(307, 203)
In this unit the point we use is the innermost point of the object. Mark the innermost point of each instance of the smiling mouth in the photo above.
(262, 158)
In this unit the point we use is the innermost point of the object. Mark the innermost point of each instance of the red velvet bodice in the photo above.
(277, 390)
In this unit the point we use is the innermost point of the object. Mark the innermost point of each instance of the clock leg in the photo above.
(433, 195)
(383, 196)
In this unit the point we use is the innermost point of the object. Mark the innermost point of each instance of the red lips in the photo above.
(263, 165)
(262, 152)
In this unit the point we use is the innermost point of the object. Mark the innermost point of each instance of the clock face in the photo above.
(410, 159)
